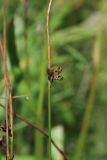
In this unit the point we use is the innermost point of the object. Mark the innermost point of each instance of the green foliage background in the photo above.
(75, 27)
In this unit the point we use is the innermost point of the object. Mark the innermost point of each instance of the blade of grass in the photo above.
(39, 112)
(91, 98)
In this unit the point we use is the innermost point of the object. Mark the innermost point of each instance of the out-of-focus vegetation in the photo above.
(79, 102)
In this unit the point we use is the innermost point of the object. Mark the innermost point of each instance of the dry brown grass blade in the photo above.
(7, 91)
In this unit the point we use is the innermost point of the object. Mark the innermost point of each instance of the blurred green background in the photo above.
(78, 44)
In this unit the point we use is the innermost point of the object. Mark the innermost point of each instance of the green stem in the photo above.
(40, 105)
(49, 117)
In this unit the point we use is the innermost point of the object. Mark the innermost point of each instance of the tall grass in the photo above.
(49, 83)
(39, 112)
(96, 57)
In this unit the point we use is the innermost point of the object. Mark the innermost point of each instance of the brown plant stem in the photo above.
(7, 90)
(48, 34)
(39, 130)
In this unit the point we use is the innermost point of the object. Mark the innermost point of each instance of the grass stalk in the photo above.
(11, 120)
(49, 117)
(48, 34)
(49, 84)
(6, 84)
(39, 112)
(90, 102)
(7, 90)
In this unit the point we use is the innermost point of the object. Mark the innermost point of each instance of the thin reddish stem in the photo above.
(5, 87)
(48, 33)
